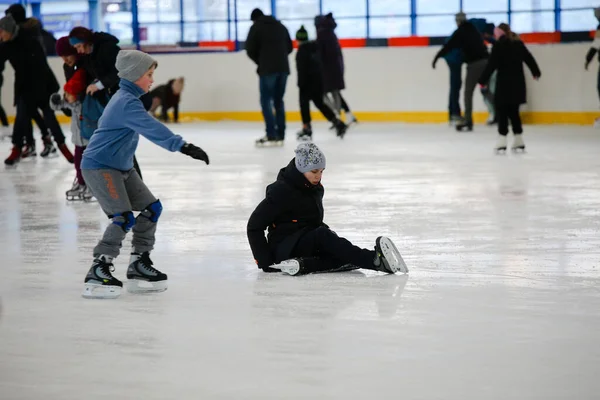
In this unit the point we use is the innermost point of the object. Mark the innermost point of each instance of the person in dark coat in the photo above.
(475, 54)
(98, 57)
(166, 97)
(298, 241)
(310, 84)
(268, 45)
(508, 55)
(3, 118)
(34, 27)
(34, 83)
(332, 60)
(595, 48)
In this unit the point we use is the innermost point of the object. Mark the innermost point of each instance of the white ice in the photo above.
(502, 301)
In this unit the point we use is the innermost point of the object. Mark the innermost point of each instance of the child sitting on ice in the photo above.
(298, 242)
(71, 104)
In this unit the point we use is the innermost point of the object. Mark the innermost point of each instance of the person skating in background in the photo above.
(167, 97)
(268, 45)
(475, 53)
(5, 129)
(298, 241)
(332, 61)
(595, 48)
(34, 27)
(454, 59)
(311, 86)
(487, 31)
(108, 171)
(71, 104)
(34, 83)
(98, 52)
(508, 55)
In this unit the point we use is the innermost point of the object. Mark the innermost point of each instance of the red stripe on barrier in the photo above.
(411, 41)
(353, 43)
(228, 44)
(541, 37)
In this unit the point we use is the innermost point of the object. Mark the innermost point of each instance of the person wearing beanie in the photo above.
(475, 54)
(34, 83)
(32, 26)
(508, 55)
(108, 170)
(298, 241)
(310, 85)
(268, 45)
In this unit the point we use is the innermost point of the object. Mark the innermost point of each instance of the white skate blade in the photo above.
(290, 267)
(392, 255)
(96, 291)
(141, 286)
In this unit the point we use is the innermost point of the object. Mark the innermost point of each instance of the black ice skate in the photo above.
(28, 151)
(501, 144)
(464, 127)
(388, 258)
(143, 277)
(268, 142)
(305, 135)
(99, 282)
(340, 128)
(49, 149)
(518, 146)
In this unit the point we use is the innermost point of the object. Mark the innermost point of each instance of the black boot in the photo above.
(464, 127)
(305, 134)
(340, 128)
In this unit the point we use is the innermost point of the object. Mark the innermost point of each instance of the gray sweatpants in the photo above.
(474, 71)
(119, 193)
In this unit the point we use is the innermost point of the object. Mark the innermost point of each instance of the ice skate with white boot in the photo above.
(143, 277)
(350, 119)
(86, 195)
(265, 141)
(501, 145)
(518, 146)
(388, 259)
(49, 149)
(99, 282)
(75, 192)
(28, 151)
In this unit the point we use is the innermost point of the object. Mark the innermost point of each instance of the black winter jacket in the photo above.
(508, 56)
(168, 100)
(469, 40)
(268, 45)
(100, 64)
(292, 207)
(307, 65)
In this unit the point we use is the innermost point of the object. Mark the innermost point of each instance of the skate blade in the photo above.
(95, 291)
(290, 267)
(518, 150)
(500, 150)
(391, 254)
(140, 286)
(74, 198)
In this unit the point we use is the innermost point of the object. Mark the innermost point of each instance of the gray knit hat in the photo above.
(309, 157)
(8, 24)
(133, 64)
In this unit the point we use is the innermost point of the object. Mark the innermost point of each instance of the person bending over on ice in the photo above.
(298, 242)
(108, 171)
(167, 96)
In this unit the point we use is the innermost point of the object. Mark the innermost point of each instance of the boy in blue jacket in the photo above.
(107, 168)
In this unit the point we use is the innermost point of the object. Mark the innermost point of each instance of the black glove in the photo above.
(195, 152)
(56, 99)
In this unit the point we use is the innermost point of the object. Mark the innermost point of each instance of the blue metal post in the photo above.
(93, 15)
(368, 20)
(135, 24)
(235, 26)
(413, 17)
(274, 8)
(557, 15)
(509, 12)
(460, 6)
(228, 20)
(36, 10)
(181, 21)
(320, 7)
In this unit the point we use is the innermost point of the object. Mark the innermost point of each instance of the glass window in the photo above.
(438, 7)
(197, 10)
(532, 5)
(389, 7)
(242, 30)
(578, 3)
(293, 26)
(382, 27)
(205, 32)
(346, 8)
(436, 26)
(62, 16)
(580, 20)
(159, 33)
(471, 6)
(496, 18)
(116, 20)
(525, 22)
(292, 9)
(351, 28)
(245, 7)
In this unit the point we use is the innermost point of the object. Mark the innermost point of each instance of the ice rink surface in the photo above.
(502, 300)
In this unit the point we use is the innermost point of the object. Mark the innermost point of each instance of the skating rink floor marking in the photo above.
(502, 301)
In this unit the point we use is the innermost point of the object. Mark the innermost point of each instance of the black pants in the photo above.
(3, 118)
(344, 104)
(39, 121)
(316, 96)
(323, 250)
(23, 129)
(506, 112)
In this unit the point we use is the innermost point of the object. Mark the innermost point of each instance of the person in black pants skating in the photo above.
(311, 86)
(508, 55)
(298, 241)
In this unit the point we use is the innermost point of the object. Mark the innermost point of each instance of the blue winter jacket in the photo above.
(114, 143)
